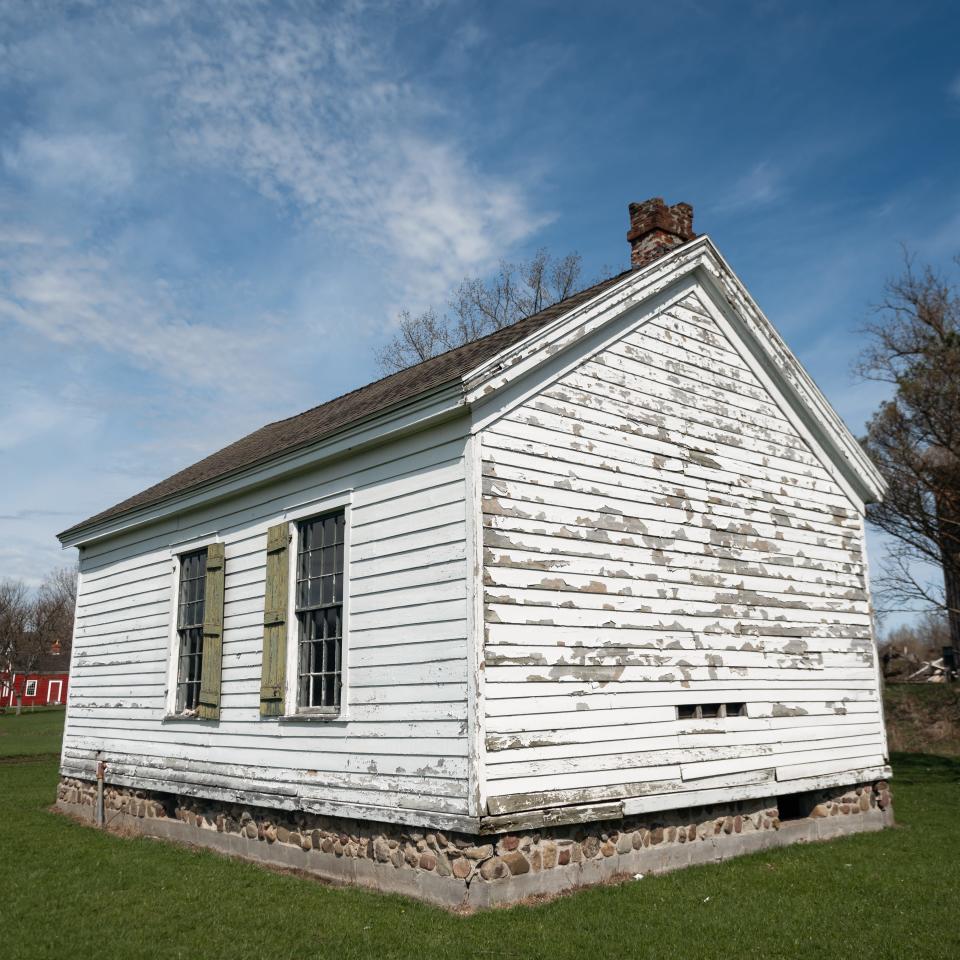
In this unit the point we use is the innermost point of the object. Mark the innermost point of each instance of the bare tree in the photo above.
(478, 307)
(14, 617)
(914, 438)
(53, 611)
(34, 627)
(15, 638)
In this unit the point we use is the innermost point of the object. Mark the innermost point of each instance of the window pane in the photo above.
(319, 597)
(189, 627)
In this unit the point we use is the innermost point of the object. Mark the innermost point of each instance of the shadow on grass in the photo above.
(925, 768)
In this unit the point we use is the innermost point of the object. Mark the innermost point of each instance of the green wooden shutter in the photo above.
(209, 704)
(275, 601)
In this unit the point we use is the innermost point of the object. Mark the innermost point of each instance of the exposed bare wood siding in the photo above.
(404, 746)
(658, 533)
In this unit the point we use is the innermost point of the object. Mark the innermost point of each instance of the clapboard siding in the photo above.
(401, 752)
(657, 533)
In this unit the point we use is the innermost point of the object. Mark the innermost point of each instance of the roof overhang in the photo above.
(424, 410)
(651, 289)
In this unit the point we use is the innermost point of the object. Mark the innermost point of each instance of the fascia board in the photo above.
(793, 379)
(420, 413)
(570, 328)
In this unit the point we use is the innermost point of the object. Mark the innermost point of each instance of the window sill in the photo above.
(311, 718)
(186, 718)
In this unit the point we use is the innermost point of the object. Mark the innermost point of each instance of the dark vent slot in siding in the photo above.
(710, 711)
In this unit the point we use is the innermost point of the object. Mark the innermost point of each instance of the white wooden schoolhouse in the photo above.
(587, 596)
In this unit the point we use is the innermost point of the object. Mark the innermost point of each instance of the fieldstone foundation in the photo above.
(476, 871)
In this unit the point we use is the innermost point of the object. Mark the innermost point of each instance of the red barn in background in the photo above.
(45, 685)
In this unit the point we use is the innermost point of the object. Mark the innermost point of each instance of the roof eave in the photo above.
(409, 416)
(836, 435)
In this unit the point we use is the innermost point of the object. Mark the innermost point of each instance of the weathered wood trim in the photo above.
(766, 788)
(694, 263)
(606, 322)
(68, 719)
(551, 817)
(789, 373)
(421, 413)
(475, 627)
(409, 813)
(873, 647)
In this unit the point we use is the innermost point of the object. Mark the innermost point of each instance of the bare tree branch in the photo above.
(477, 307)
(914, 438)
(33, 627)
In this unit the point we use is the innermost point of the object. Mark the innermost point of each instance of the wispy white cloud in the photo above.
(27, 413)
(316, 110)
(954, 88)
(760, 185)
(321, 116)
(76, 161)
(81, 299)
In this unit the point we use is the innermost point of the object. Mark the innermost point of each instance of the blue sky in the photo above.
(210, 213)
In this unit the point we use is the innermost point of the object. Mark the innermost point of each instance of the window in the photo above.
(30, 688)
(193, 572)
(319, 610)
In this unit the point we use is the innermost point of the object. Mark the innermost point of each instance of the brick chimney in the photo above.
(656, 228)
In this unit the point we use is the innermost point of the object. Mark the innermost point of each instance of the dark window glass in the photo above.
(319, 598)
(193, 574)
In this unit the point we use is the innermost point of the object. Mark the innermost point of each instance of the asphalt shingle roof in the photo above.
(305, 428)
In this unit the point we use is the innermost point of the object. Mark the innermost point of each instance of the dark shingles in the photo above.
(284, 436)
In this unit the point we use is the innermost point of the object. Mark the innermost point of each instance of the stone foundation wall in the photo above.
(476, 871)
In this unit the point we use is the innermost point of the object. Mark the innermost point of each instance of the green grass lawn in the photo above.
(71, 891)
(33, 732)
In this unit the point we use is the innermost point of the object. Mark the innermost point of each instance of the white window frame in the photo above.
(27, 691)
(50, 685)
(177, 550)
(294, 516)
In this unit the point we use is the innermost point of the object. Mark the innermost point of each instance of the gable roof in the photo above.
(488, 365)
(322, 421)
